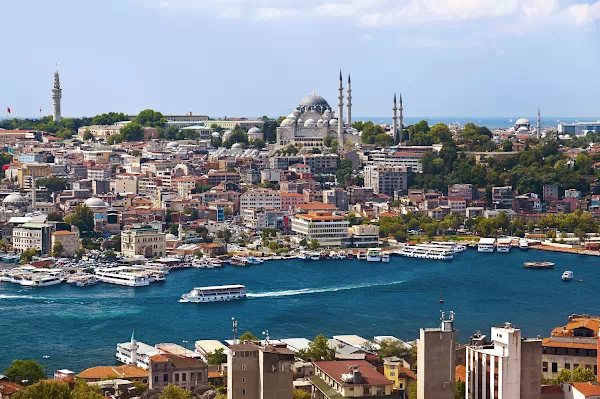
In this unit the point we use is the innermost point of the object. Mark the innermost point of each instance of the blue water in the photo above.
(489, 122)
(80, 327)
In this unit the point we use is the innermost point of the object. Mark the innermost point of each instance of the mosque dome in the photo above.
(227, 134)
(285, 122)
(171, 237)
(314, 100)
(236, 146)
(254, 130)
(310, 123)
(14, 199)
(300, 121)
(320, 123)
(216, 135)
(333, 122)
(523, 129)
(523, 121)
(292, 115)
(95, 203)
(173, 144)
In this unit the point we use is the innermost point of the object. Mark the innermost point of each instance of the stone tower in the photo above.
(395, 121)
(56, 96)
(340, 116)
(539, 124)
(401, 121)
(134, 347)
(349, 102)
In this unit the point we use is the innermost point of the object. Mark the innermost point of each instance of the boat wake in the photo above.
(305, 291)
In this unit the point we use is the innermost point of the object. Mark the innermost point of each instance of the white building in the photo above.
(263, 218)
(413, 160)
(261, 198)
(145, 241)
(136, 353)
(32, 235)
(328, 229)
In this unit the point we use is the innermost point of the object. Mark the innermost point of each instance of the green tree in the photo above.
(247, 337)
(28, 254)
(25, 372)
(583, 374)
(83, 390)
(217, 357)
(411, 389)
(392, 347)
(132, 131)
(564, 375)
(174, 392)
(54, 217)
(507, 146)
(87, 136)
(58, 249)
(53, 184)
(110, 254)
(140, 387)
(300, 394)
(460, 390)
(46, 390)
(318, 350)
(82, 217)
(314, 244)
(225, 235)
(384, 140)
(150, 118)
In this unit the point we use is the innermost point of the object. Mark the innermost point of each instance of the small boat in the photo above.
(324, 255)
(362, 255)
(254, 261)
(238, 261)
(303, 256)
(538, 265)
(315, 256)
(567, 276)
(385, 257)
(523, 245)
(341, 255)
(349, 255)
(441, 299)
(374, 255)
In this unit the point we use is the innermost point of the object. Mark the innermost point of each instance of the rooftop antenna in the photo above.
(234, 322)
(266, 334)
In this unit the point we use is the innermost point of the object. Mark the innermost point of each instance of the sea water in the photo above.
(79, 327)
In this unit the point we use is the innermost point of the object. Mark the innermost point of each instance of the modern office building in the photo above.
(578, 128)
(328, 229)
(412, 160)
(387, 179)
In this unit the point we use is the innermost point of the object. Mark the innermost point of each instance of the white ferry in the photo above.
(303, 256)
(42, 279)
(503, 245)
(385, 257)
(426, 251)
(82, 280)
(486, 245)
(221, 293)
(123, 276)
(455, 247)
(523, 244)
(374, 255)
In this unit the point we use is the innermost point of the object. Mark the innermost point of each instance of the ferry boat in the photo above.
(374, 255)
(82, 280)
(362, 255)
(486, 245)
(503, 245)
(221, 293)
(303, 256)
(254, 261)
(238, 261)
(385, 257)
(523, 244)
(426, 251)
(567, 276)
(42, 279)
(538, 265)
(455, 247)
(123, 276)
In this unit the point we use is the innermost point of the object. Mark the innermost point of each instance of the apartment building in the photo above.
(32, 171)
(321, 163)
(260, 198)
(32, 235)
(145, 240)
(502, 197)
(461, 190)
(216, 178)
(185, 372)
(386, 179)
(358, 194)
(259, 372)
(263, 218)
(291, 200)
(349, 379)
(365, 236)
(337, 197)
(328, 229)
(457, 205)
(412, 160)
(97, 173)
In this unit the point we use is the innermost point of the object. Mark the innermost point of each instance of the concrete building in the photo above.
(32, 235)
(387, 179)
(461, 190)
(365, 236)
(145, 240)
(502, 197)
(29, 172)
(571, 345)
(349, 379)
(508, 368)
(412, 160)
(436, 361)
(328, 229)
(69, 240)
(136, 353)
(580, 390)
(260, 198)
(185, 372)
(337, 197)
(291, 200)
(322, 163)
(550, 192)
(578, 128)
(263, 218)
(259, 372)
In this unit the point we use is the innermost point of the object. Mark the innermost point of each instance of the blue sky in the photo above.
(256, 57)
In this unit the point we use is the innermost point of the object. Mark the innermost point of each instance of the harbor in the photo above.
(294, 298)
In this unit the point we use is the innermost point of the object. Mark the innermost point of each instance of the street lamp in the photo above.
(185, 346)
(46, 357)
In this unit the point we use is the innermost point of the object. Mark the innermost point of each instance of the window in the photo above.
(176, 377)
(575, 366)
(243, 392)
(184, 377)
(568, 366)
(554, 367)
(156, 379)
(544, 367)
(165, 377)
(243, 380)
(243, 367)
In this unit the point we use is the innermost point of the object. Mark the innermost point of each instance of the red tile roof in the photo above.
(587, 388)
(369, 374)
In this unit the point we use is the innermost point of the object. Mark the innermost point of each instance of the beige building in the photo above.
(365, 235)
(145, 241)
(259, 372)
(328, 229)
(30, 171)
(32, 235)
(231, 124)
(349, 379)
(260, 198)
(101, 157)
(99, 131)
(386, 179)
(186, 372)
(69, 240)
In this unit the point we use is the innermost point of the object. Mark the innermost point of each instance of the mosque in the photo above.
(523, 127)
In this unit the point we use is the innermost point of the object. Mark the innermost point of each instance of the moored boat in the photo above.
(503, 245)
(374, 255)
(426, 251)
(523, 244)
(238, 261)
(385, 257)
(362, 255)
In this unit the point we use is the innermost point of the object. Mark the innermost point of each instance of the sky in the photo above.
(260, 57)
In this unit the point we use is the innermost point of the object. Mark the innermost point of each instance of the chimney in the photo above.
(356, 376)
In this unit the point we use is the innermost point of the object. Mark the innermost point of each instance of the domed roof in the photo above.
(173, 144)
(333, 122)
(171, 237)
(523, 128)
(236, 146)
(14, 199)
(215, 134)
(227, 132)
(310, 123)
(523, 121)
(254, 130)
(285, 122)
(314, 100)
(95, 203)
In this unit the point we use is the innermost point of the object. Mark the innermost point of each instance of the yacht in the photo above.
(567, 276)
(315, 256)
(303, 256)
(503, 245)
(385, 257)
(238, 261)
(221, 293)
(213, 263)
(523, 244)
(374, 255)
(362, 255)
(486, 245)
(350, 255)
(124, 276)
(456, 248)
(254, 261)
(426, 251)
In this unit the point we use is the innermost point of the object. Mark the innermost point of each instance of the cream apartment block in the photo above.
(261, 198)
(328, 229)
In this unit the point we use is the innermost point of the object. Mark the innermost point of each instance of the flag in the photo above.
(8, 109)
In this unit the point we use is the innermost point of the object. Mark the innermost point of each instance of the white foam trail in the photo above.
(304, 291)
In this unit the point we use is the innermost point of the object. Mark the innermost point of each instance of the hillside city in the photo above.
(125, 199)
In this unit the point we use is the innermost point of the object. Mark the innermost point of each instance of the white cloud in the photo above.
(583, 14)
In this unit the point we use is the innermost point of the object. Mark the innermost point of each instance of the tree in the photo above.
(392, 347)
(174, 392)
(132, 131)
(83, 390)
(460, 389)
(28, 254)
(247, 337)
(150, 118)
(224, 234)
(140, 387)
(217, 357)
(318, 350)
(581, 374)
(87, 136)
(54, 217)
(58, 249)
(82, 217)
(25, 372)
(110, 254)
(53, 184)
(314, 244)
(411, 389)
(564, 375)
(300, 394)
(384, 140)
(46, 390)
(507, 146)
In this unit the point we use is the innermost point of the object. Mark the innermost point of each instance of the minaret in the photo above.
(401, 124)
(539, 124)
(180, 232)
(33, 192)
(349, 102)
(340, 116)
(56, 96)
(134, 348)
(395, 122)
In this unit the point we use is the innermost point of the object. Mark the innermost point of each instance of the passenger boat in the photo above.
(362, 255)
(455, 247)
(82, 280)
(124, 276)
(426, 251)
(42, 279)
(374, 255)
(214, 263)
(538, 265)
(567, 276)
(523, 244)
(221, 293)
(238, 261)
(385, 257)
(503, 245)
(486, 245)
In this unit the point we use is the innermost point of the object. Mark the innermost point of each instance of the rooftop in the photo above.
(370, 376)
(124, 371)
